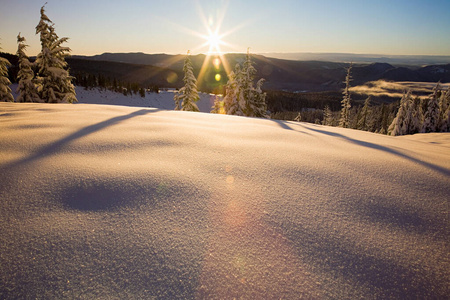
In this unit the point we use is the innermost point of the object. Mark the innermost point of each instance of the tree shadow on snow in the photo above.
(439, 169)
(97, 195)
(284, 125)
(385, 276)
(384, 211)
(55, 147)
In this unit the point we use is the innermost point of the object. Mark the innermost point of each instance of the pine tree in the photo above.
(384, 120)
(415, 116)
(55, 83)
(253, 100)
(142, 92)
(444, 107)
(397, 126)
(242, 97)
(188, 94)
(346, 104)
(259, 100)
(218, 107)
(5, 90)
(431, 117)
(363, 123)
(26, 90)
(233, 93)
(327, 116)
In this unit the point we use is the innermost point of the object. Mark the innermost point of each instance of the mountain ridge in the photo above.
(280, 74)
(412, 60)
(166, 71)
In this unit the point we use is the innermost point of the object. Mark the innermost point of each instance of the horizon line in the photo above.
(262, 53)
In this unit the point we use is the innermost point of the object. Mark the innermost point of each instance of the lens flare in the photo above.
(216, 63)
(217, 77)
(172, 77)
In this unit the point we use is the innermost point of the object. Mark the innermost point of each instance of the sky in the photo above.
(390, 27)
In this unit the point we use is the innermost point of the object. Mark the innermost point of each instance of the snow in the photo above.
(162, 100)
(117, 202)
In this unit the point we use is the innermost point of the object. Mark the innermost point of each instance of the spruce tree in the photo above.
(55, 83)
(233, 93)
(253, 101)
(363, 123)
(217, 108)
(431, 117)
(415, 116)
(444, 107)
(5, 90)
(384, 120)
(346, 104)
(26, 90)
(142, 92)
(397, 126)
(259, 100)
(242, 97)
(188, 94)
(327, 116)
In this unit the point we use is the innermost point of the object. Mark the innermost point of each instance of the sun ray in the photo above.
(214, 44)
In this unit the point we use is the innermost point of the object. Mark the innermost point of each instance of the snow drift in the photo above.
(123, 202)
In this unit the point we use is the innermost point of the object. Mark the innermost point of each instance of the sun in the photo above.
(214, 41)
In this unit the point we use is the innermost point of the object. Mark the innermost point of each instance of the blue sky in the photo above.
(392, 27)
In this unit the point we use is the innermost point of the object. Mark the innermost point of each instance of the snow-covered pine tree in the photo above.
(188, 94)
(233, 93)
(327, 116)
(26, 90)
(176, 98)
(414, 115)
(346, 104)
(382, 120)
(217, 108)
(254, 100)
(259, 100)
(397, 126)
(242, 97)
(54, 82)
(363, 119)
(432, 114)
(444, 107)
(5, 90)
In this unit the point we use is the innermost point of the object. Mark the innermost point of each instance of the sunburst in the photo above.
(214, 41)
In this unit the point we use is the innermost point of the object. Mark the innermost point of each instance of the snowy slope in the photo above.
(162, 100)
(118, 202)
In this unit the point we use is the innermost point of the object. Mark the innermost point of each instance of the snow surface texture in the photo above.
(115, 202)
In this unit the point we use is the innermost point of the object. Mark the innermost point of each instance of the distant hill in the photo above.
(280, 74)
(126, 72)
(413, 60)
(166, 70)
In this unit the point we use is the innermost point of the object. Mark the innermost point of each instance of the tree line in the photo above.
(411, 115)
(431, 114)
(90, 81)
